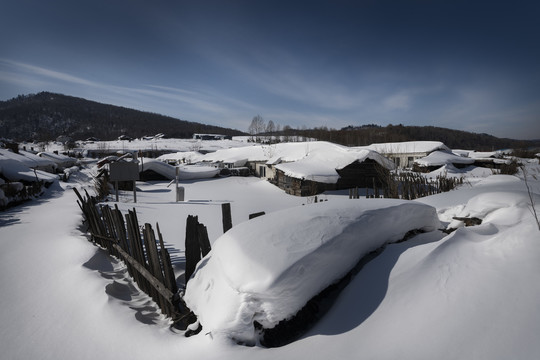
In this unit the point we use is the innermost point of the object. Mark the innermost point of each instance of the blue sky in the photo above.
(467, 65)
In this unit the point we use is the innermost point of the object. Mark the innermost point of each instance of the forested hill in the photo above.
(45, 116)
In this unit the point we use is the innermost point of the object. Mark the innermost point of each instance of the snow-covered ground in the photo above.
(471, 294)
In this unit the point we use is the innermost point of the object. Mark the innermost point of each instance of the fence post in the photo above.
(226, 213)
(193, 252)
(204, 242)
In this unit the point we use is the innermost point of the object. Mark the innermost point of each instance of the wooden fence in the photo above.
(147, 264)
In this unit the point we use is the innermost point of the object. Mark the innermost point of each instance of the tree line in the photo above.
(262, 131)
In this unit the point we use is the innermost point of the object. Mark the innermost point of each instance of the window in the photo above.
(262, 171)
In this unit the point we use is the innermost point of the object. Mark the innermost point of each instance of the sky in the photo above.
(466, 65)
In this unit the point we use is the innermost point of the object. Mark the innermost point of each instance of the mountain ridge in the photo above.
(47, 115)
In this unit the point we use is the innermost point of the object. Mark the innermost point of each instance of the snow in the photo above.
(186, 172)
(439, 158)
(320, 164)
(317, 160)
(471, 294)
(14, 170)
(29, 160)
(63, 161)
(268, 278)
(172, 145)
(471, 173)
(408, 147)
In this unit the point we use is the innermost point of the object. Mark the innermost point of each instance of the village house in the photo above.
(441, 158)
(340, 169)
(404, 154)
(307, 168)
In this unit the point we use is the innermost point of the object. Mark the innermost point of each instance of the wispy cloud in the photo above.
(20, 67)
(400, 101)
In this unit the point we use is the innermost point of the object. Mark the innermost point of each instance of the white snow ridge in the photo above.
(266, 269)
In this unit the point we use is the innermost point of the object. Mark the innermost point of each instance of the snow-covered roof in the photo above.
(28, 159)
(172, 145)
(187, 156)
(408, 147)
(321, 165)
(439, 158)
(15, 170)
(286, 152)
(186, 172)
(269, 277)
(59, 159)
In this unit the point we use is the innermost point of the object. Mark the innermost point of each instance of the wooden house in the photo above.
(404, 154)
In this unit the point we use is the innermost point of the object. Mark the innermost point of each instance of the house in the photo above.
(342, 168)
(211, 137)
(304, 168)
(488, 159)
(441, 158)
(404, 154)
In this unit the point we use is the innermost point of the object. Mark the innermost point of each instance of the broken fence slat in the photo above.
(193, 252)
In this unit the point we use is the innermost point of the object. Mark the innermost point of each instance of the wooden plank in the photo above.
(152, 266)
(156, 284)
(204, 242)
(193, 252)
(136, 252)
(151, 252)
(257, 214)
(168, 271)
(226, 216)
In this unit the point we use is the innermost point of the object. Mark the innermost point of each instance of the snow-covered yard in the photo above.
(470, 294)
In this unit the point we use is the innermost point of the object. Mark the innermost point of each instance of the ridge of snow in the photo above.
(269, 277)
(410, 147)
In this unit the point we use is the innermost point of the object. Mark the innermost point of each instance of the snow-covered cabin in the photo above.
(307, 168)
(440, 158)
(488, 159)
(342, 168)
(404, 154)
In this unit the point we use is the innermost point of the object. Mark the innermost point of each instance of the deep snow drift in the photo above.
(266, 270)
(472, 294)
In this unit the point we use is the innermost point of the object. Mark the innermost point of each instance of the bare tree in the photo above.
(256, 127)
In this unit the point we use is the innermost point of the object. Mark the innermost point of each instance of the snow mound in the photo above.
(439, 158)
(266, 269)
(501, 207)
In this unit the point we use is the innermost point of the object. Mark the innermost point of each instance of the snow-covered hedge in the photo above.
(266, 269)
